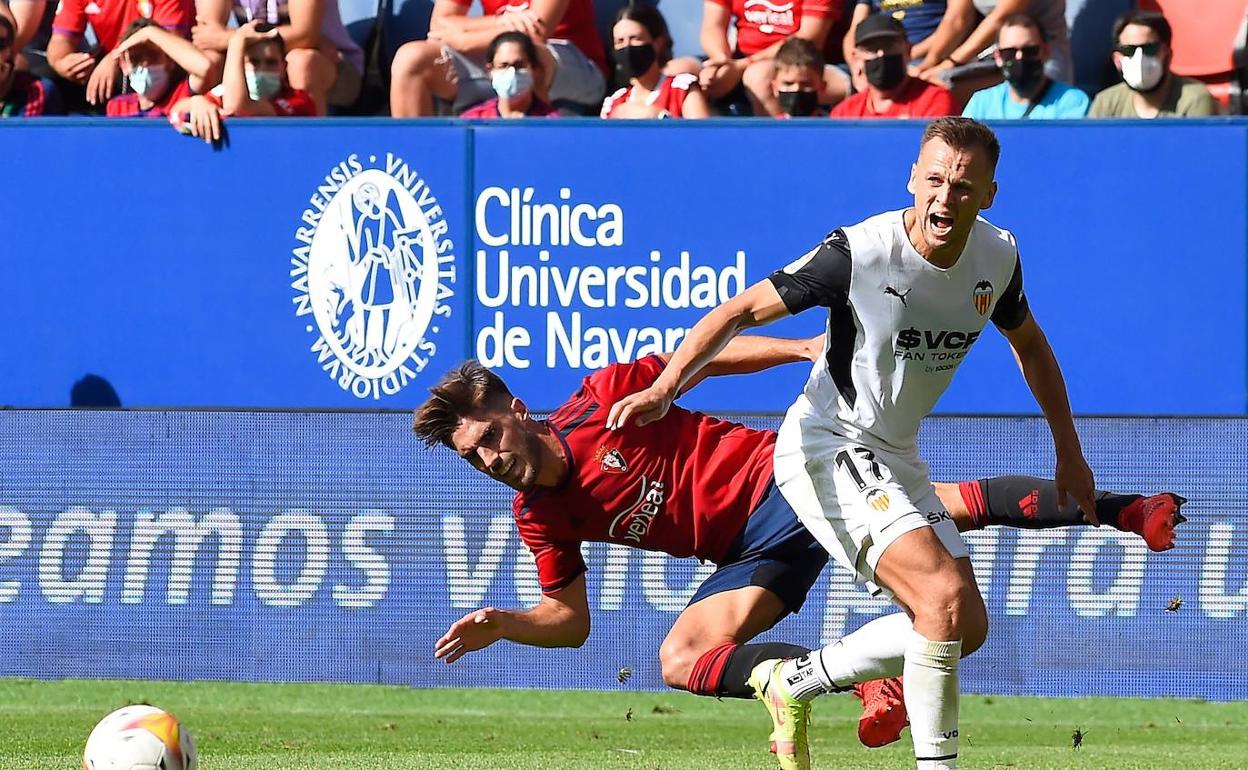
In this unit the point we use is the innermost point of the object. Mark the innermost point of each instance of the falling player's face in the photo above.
(951, 186)
(503, 445)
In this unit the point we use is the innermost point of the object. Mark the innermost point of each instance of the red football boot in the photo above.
(883, 712)
(1154, 519)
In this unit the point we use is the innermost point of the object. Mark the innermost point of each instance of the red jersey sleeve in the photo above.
(294, 104)
(173, 15)
(619, 380)
(558, 562)
(822, 8)
(71, 19)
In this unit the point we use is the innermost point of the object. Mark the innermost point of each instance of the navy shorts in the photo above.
(774, 551)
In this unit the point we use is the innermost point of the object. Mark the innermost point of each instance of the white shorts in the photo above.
(856, 499)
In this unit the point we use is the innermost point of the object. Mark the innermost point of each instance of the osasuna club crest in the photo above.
(374, 274)
(982, 297)
(612, 461)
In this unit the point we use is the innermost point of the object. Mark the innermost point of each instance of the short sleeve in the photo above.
(70, 20)
(975, 106)
(558, 562)
(819, 277)
(173, 15)
(619, 380)
(295, 104)
(1012, 308)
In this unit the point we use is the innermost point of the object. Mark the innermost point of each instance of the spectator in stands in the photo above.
(108, 19)
(22, 95)
(514, 68)
(798, 79)
(33, 21)
(882, 52)
(921, 18)
(321, 58)
(1027, 91)
(643, 47)
(449, 65)
(253, 83)
(160, 69)
(959, 48)
(1149, 89)
(762, 27)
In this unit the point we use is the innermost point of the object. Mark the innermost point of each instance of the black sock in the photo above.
(1027, 502)
(735, 682)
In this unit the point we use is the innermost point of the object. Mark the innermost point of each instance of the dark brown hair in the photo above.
(468, 389)
(1025, 20)
(963, 134)
(1151, 19)
(799, 52)
(649, 17)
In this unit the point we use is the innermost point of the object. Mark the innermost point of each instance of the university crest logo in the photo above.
(375, 276)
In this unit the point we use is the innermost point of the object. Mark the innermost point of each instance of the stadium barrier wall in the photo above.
(328, 546)
(347, 263)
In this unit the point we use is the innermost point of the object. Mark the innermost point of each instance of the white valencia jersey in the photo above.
(898, 326)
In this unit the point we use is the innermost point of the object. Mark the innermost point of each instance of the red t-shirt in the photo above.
(761, 23)
(288, 103)
(489, 109)
(110, 18)
(577, 25)
(668, 97)
(684, 485)
(917, 99)
(127, 105)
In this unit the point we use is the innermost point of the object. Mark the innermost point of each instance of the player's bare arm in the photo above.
(758, 305)
(750, 353)
(560, 619)
(1044, 377)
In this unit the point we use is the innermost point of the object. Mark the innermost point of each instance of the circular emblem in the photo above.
(377, 277)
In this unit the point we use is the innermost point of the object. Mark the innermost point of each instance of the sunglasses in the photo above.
(1028, 52)
(1149, 49)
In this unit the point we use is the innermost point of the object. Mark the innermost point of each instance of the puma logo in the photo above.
(899, 295)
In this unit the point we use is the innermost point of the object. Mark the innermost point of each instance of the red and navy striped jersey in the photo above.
(30, 97)
(683, 485)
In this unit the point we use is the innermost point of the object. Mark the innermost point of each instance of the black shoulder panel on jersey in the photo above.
(819, 277)
(1012, 308)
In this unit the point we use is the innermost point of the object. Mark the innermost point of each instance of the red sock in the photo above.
(708, 671)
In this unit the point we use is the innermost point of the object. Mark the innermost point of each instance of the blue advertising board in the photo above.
(329, 264)
(330, 546)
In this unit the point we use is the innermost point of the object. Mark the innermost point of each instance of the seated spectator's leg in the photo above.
(421, 70)
(757, 81)
(685, 65)
(718, 81)
(578, 85)
(347, 82)
(542, 83)
(313, 72)
(835, 85)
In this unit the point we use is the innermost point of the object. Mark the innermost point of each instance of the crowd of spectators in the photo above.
(196, 62)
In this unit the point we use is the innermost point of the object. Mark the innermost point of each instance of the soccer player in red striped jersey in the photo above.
(689, 485)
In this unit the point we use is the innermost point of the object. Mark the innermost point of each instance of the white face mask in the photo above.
(509, 82)
(1142, 73)
(149, 81)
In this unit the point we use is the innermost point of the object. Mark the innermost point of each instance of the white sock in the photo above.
(875, 651)
(931, 694)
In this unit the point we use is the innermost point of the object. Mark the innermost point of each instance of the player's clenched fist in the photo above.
(641, 408)
(474, 631)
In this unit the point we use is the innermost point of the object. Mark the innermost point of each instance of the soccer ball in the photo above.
(139, 738)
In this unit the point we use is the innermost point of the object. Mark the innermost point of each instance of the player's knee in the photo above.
(676, 659)
(951, 608)
(414, 59)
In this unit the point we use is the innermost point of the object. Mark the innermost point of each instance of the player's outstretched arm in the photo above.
(749, 353)
(560, 619)
(1044, 377)
(760, 304)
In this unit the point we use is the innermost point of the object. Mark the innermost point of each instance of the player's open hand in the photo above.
(1074, 479)
(640, 408)
(474, 631)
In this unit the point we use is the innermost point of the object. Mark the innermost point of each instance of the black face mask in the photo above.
(633, 60)
(1025, 75)
(798, 104)
(886, 72)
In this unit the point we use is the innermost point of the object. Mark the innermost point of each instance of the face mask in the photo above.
(798, 104)
(263, 85)
(634, 60)
(1025, 75)
(1142, 73)
(510, 82)
(886, 72)
(149, 81)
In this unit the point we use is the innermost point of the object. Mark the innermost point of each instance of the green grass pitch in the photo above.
(348, 727)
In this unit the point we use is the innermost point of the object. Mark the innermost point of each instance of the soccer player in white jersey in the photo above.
(908, 292)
